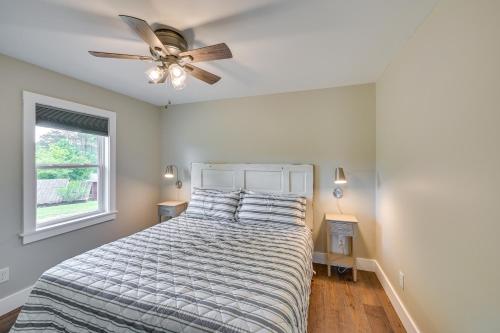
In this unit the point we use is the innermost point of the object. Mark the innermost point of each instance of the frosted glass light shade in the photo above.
(169, 171)
(340, 176)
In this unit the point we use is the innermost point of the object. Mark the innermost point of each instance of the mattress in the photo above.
(183, 275)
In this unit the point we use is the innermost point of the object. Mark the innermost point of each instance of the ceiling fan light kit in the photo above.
(178, 76)
(169, 50)
(155, 74)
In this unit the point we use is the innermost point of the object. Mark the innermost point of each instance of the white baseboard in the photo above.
(404, 315)
(372, 265)
(14, 300)
(363, 264)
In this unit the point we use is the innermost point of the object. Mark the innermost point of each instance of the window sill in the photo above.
(64, 227)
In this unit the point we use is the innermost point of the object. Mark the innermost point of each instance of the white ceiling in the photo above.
(278, 45)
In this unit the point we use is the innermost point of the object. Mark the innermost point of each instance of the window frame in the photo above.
(107, 172)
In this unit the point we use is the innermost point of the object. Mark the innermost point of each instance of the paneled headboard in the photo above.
(276, 178)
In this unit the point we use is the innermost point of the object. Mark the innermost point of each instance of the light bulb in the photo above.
(176, 72)
(154, 73)
(178, 83)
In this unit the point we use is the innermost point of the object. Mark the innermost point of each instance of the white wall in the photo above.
(438, 163)
(327, 128)
(138, 170)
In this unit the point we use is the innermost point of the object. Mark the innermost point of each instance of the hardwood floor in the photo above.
(8, 319)
(337, 305)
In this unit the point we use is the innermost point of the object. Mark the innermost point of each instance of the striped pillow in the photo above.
(269, 207)
(213, 204)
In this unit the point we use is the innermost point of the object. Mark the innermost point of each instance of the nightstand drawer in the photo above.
(167, 211)
(170, 209)
(340, 228)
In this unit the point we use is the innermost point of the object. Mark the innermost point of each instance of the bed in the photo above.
(185, 275)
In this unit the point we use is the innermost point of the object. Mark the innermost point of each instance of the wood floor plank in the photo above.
(337, 305)
(8, 319)
(343, 305)
(379, 323)
(360, 319)
(393, 317)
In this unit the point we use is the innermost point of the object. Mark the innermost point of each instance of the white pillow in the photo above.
(270, 207)
(213, 204)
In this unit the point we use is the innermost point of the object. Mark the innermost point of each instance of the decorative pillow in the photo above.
(269, 207)
(213, 204)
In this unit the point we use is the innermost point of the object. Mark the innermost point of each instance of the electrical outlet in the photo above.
(401, 280)
(4, 274)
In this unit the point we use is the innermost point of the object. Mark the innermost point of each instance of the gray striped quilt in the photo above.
(183, 275)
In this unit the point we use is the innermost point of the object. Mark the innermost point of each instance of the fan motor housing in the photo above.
(174, 42)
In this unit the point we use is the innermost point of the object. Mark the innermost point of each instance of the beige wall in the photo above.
(327, 128)
(438, 163)
(138, 170)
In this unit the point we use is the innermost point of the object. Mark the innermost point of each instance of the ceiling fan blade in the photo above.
(119, 56)
(213, 52)
(202, 74)
(144, 31)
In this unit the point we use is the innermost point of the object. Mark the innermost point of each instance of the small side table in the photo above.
(170, 209)
(341, 231)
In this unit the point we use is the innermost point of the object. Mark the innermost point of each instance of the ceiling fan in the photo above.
(169, 50)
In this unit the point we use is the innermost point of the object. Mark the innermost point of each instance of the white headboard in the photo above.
(277, 178)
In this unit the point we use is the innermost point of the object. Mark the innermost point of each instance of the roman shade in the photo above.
(54, 117)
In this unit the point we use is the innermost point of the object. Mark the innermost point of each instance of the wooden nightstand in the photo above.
(340, 232)
(170, 209)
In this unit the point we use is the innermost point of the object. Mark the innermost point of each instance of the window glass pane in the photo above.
(63, 192)
(74, 191)
(55, 146)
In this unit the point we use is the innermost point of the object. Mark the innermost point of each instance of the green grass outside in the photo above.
(49, 212)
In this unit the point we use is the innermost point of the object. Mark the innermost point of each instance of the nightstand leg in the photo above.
(354, 273)
(329, 270)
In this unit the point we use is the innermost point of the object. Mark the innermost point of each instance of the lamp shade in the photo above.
(169, 171)
(339, 176)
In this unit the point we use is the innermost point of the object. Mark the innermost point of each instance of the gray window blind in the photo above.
(54, 117)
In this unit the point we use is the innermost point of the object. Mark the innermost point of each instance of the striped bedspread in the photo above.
(183, 275)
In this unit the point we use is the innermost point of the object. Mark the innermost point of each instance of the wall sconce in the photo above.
(339, 179)
(169, 173)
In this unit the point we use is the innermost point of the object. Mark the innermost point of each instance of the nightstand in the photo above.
(170, 209)
(340, 234)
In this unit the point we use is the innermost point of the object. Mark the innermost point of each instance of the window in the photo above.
(69, 171)
(68, 166)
